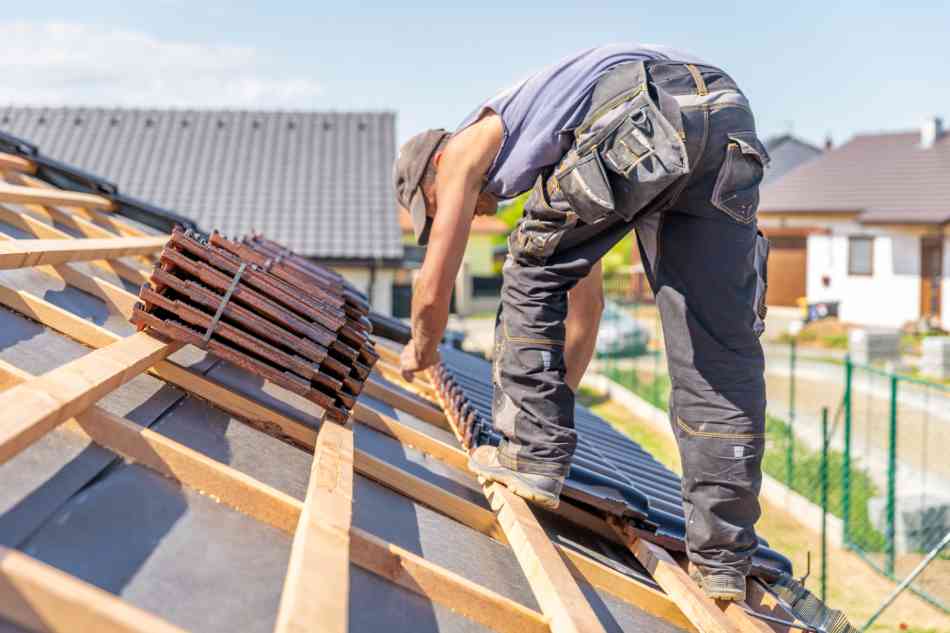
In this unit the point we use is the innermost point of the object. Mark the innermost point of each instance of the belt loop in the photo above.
(701, 89)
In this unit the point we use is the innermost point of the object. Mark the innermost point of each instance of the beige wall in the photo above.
(382, 299)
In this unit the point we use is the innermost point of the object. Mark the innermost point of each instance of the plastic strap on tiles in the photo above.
(224, 302)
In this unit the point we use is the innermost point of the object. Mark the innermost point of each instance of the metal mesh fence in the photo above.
(861, 445)
(896, 427)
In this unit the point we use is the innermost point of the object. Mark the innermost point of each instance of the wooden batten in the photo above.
(405, 401)
(273, 507)
(42, 598)
(34, 407)
(11, 162)
(703, 612)
(42, 230)
(29, 253)
(30, 195)
(321, 546)
(104, 219)
(553, 585)
(468, 513)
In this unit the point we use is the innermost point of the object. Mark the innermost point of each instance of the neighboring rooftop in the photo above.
(901, 178)
(318, 182)
(787, 152)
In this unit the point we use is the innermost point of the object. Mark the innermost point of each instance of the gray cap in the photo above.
(408, 170)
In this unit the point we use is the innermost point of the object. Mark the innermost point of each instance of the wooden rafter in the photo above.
(555, 589)
(268, 505)
(30, 195)
(468, 513)
(16, 163)
(100, 218)
(321, 546)
(408, 402)
(41, 230)
(474, 516)
(707, 615)
(54, 215)
(28, 253)
(44, 599)
(38, 405)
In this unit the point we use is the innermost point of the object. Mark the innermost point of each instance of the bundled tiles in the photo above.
(265, 309)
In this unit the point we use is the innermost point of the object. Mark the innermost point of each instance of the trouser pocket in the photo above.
(736, 192)
(541, 228)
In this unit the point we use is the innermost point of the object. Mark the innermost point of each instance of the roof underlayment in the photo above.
(153, 487)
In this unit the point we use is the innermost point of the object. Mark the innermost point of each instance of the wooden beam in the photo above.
(554, 588)
(86, 228)
(445, 587)
(42, 598)
(446, 453)
(436, 497)
(79, 329)
(703, 612)
(40, 404)
(28, 253)
(107, 220)
(31, 195)
(469, 514)
(41, 230)
(275, 508)
(410, 403)
(16, 163)
(321, 546)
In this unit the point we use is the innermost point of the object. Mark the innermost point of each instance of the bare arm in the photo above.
(459, 176)
(585, 304)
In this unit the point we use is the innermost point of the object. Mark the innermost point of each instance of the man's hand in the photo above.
(410, 362)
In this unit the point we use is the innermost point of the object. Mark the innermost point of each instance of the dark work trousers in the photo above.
(706, 263)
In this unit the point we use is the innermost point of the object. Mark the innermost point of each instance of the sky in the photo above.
(811, 68)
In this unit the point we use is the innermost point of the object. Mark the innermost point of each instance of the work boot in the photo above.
(721, 585)
(544, 490)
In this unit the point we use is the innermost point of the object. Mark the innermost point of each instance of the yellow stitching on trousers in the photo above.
(701, 89)
(724, 436)
(530, 341)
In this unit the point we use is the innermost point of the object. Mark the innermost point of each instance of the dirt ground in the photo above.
(854, 587)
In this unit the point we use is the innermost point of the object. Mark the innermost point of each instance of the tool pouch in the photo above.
(626, 152)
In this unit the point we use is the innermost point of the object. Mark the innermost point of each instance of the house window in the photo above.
(860, 255)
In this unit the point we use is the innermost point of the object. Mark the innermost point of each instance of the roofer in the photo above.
(614, 139)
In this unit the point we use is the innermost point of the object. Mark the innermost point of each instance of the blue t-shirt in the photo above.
(539, 112)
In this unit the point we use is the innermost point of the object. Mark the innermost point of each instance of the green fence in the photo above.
(896, 481)
(865, 445)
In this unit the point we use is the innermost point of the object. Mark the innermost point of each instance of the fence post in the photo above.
(824, 503)
(891, 481)
(846, 460)
(790, 446)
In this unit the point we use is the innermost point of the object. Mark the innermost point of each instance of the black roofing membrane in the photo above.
(378, 605)
(212, 431)
(169, 550)
(42, 478)
(419, 464)
(439, 539)
(32, 347)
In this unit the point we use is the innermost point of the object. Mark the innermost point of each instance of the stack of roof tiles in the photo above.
(260, 306)
(609, 471)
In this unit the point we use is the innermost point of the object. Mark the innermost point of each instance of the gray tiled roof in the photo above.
(787, 152)
(884, 177)
(318, 182)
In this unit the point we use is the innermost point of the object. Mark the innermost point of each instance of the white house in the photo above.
(868, 225)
